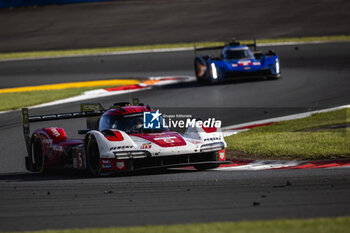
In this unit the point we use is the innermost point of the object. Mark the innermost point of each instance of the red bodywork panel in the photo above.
(222, 155)
(56, 134)
(116, 137)
(127, 110)
(165, 139)
(55, 145)
(209, 129)
(244, 63)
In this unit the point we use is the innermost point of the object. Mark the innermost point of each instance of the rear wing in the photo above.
(231, 43)
(88, 111)
(207, 48)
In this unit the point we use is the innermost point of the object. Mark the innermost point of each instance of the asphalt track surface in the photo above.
(137, 22)
(314, 76)
(53, 202)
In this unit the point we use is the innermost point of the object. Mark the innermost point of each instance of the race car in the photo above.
(117, 140)
(236, 61)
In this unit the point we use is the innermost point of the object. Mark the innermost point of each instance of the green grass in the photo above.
(59, 53)
(55, 53)
(301, 139)
(319, 225)
(10, 101)
(306, 39)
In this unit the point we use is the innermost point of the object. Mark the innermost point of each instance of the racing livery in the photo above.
(116, 140)
(236, 60)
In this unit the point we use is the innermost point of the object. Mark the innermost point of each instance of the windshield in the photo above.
(133, 124)
(238, 54)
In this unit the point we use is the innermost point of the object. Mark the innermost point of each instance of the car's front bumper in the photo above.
(118, 165)
(242, 74)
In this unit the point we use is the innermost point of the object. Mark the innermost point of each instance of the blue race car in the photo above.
(236, 60)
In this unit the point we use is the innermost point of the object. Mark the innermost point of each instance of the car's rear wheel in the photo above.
(93, 157)
(37, 153)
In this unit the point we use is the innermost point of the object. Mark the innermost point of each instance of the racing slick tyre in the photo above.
(274, 77)
(93, 157)
(37, 153)
(201, 70)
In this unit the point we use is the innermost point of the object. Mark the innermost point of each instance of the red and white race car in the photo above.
(116, 140)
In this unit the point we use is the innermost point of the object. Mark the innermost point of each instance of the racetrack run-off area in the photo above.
(315, 76)
(178, 196)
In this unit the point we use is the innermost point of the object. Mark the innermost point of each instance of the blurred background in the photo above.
(31, 25)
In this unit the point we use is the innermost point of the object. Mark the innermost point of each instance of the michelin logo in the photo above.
(151, 120)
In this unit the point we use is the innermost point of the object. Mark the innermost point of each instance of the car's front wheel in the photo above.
(275, 71)
(93, 157)
(201, 70)
(274, 76)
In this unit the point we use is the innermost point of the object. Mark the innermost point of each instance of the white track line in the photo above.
(262, 165)
(88, 95)
(98, 93)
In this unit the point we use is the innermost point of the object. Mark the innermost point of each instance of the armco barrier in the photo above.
(18, 3)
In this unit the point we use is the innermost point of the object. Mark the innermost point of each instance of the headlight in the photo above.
(212, 147)
(130, 154)
(214, 72)
(277, 66)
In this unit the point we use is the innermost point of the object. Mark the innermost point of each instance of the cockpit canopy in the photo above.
(236, 53)
(132, 123)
